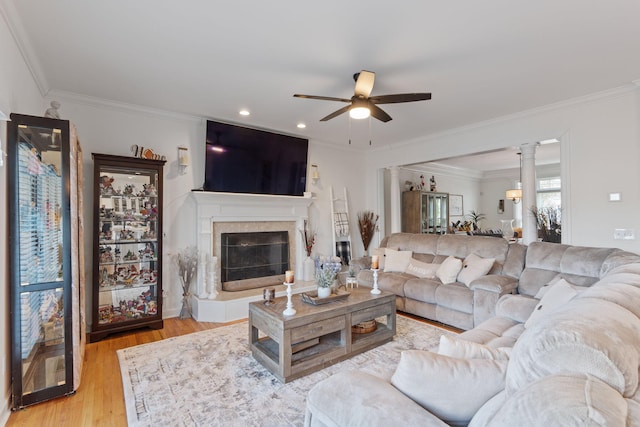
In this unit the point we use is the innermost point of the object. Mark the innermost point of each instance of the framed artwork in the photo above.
(501, 206)
(455, 205)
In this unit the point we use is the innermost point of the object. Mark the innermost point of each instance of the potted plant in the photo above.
(475, 218)
(327, 269)
(549, 221)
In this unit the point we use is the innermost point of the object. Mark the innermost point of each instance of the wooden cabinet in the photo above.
(44, 174)
(127, 248)
(425, 212)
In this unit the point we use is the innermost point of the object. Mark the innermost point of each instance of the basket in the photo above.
(364, 327)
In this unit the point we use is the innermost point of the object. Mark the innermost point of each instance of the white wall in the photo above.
(600, 151)
(18, 93)
(111, 128)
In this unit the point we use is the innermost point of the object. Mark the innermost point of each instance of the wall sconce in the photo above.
(4, 118)
(315, 175)
(183, 157)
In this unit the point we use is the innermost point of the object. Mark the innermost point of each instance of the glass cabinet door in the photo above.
(127, 244)
(39, 242)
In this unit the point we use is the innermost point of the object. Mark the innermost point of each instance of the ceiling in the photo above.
(480, 60)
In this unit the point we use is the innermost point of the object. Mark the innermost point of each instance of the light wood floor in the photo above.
(99, 400)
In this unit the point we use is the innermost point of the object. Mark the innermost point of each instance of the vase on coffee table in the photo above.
(324, 291)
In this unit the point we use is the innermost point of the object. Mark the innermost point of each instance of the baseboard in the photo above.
(6, 410)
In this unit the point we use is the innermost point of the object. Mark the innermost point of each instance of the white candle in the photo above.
(374, 262)
(288, 276)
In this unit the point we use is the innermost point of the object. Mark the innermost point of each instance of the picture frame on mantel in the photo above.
(455, 205)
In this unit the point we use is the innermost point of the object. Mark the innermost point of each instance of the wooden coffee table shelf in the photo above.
(317, 336)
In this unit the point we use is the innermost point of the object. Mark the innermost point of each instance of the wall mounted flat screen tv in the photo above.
(244, 160)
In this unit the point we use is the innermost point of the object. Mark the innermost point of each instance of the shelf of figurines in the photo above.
(127, 276)
(137, 307)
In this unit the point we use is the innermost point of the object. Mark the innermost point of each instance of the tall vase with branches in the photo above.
(368, 225)
(186, 261)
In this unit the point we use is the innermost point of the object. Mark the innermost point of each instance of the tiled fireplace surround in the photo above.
(218, 213)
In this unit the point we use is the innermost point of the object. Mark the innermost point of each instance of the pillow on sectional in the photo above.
(473, 267)
(450, 388)
(557, 295)
(449, 269)
(421, 269)
(396, 260)
(543, 290)
(454, 347)
(380, 253)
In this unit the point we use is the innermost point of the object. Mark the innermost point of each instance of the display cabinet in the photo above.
(425, 212)
(46, 275)
(127, 252)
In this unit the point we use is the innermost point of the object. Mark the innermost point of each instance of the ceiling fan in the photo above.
(361, 105)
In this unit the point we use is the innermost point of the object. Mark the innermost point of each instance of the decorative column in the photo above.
(394, 194)
(529, 226)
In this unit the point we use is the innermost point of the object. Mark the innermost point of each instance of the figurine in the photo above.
(52, 112)
(106, 184)
(432, 183)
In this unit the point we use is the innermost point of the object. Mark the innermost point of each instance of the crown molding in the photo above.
(14, 23)
(597, 96)
(435, 168)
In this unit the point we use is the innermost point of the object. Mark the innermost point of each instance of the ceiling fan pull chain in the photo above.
(349, 130)
(369, 131)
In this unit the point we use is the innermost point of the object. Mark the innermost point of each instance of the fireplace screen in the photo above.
(253, 255)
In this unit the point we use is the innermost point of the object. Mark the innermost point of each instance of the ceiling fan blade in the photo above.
(364, 83)
(400, 97)
(322, 98)
(379, 113)
(336, 113)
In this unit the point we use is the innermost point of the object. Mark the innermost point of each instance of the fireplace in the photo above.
(253, 260)
(220, 213)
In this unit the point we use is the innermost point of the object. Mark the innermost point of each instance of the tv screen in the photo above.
(244, 160)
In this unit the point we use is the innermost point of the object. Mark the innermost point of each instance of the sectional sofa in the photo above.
(563, 348)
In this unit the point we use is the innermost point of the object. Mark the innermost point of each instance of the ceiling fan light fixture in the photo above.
(359, 113)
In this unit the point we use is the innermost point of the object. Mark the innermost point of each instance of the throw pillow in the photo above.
(557, 295)
(473, 267)
(396, 260)
(421, 269)
(449, 269)
(543, 290)
(454, 347)
(450, 388)
(380, 253)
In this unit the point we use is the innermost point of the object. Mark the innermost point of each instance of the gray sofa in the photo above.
(575, 363)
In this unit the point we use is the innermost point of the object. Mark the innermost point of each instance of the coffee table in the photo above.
(317, 336)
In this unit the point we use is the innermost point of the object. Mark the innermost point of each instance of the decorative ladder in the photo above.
(341, 226)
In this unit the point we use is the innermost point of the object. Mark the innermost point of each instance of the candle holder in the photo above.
(289, 311)
(375, 289)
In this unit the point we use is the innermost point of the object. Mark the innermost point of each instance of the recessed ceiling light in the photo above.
(244, 112)
(549, 141)
(301, 125)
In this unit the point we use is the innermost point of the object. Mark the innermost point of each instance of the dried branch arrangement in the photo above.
(368, 224)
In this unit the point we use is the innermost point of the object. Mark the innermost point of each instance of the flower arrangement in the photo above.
(187, 263)
(308, 237)
(326, 270)
(549, 221)
(368, 224)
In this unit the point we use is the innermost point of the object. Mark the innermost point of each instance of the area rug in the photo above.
(209, 378)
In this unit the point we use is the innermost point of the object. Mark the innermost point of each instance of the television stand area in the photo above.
(230, 306)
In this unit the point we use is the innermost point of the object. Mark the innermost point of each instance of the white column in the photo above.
(394, 194)
(529, 227)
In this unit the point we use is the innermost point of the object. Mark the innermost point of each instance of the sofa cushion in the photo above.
(454, 347)
(452, 389)
(455, 296)
(423, 290)
(396, 260)
(449, 269)
(553, 297)
(474, 267)
(588, 335)
(559, 400)
(422, 269)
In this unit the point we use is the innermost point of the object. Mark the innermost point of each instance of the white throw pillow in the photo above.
(450, 388)
(421, 269)
(449, 269)
(380, 253)
(473, 267)
(557, 295)
(454, 347)
(396, 260)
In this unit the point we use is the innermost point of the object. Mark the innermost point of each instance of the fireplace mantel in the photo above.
(214, 207)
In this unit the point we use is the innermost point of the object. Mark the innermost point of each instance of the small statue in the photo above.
(432, 183)
(52, 112)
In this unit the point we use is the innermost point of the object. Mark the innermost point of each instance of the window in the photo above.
(548, 192)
